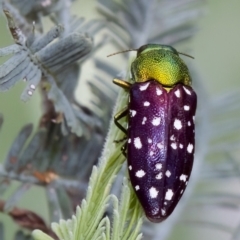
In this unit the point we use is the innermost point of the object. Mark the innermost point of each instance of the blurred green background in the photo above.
(216, 46)
(217, 57)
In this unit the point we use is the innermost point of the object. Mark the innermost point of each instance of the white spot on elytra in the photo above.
(137, 143)
(129, 140)
(165, 203)
(132, 113)
(144, 120)
(140, 173)
(146, 104)
(193, 118)
(156, 121)
(174, 145)
(186, 183)
(190, 148)
(158, 166)
(144, 87)
(181, 146)
(177, 124)
(151, 153)
(149, 140)
(153, 192)
(181, 192)
(169, 194)
(32, 87)
(177, 93)
(158, 91)
(163, 212)
(137, 187)
(160, 145)
(187, 91)
(130, 167)
(168, 173)
(186, 108)
(172, 138)
(183, 178)
(159, 176)
(30, 93)
(189, 123)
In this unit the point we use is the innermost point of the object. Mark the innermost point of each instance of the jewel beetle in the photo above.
(160, 135)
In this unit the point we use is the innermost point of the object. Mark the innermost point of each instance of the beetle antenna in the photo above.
(129, 50)
(186, 55)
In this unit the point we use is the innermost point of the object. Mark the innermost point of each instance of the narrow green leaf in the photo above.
(39, 235)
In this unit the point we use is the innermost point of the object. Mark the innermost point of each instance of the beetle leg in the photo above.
(124, 112)
(122, 83)
(120, 115)
(123, 149)
(121, 140)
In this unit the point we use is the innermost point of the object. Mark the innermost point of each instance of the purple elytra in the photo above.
(160, 145)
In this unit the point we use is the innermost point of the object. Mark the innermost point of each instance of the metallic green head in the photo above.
(161, 63)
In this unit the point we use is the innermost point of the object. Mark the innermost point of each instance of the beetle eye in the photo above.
(142, 48)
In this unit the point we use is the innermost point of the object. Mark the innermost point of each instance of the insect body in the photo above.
(160, 135)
